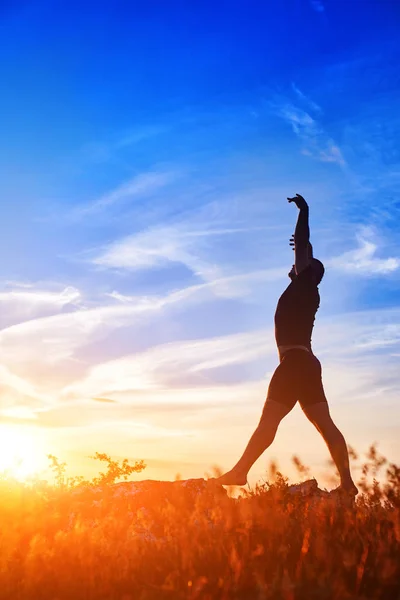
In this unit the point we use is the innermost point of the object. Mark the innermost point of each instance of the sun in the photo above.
(21, 454)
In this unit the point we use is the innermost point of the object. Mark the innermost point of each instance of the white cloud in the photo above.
(350, 335)
(363, 260)
(56, 338)
(134, 136)
(24, 301)
(154, 368)
(239, 285)
(104, 151)
(137, 187)
(306, 124)
(305, 99)
(39, 356)
(43, 355)
(171, 388)
(242, 284)
(331, 153)
(147, 249)
(188, 243)
(316, 143)
(182, 365)
(19, 413)
(389, 335)
(161, 397)
(11, 381)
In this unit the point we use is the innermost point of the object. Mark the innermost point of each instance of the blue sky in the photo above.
(146, 156)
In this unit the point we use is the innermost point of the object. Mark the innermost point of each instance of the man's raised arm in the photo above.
(301, 234)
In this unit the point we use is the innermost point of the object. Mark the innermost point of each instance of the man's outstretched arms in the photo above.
(301, 238)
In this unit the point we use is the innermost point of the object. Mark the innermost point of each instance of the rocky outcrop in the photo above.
(149, 504)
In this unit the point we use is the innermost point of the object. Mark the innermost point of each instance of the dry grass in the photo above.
(77, 541)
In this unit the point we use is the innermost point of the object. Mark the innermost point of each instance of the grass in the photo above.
(94, 540)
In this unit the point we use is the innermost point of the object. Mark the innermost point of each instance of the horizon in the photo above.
(146, 159)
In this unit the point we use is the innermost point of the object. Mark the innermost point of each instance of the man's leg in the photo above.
(320, 417)
(261, 439)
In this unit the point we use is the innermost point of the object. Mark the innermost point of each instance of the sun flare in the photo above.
(21, 454)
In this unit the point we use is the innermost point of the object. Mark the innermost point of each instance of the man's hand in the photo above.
(299, 201)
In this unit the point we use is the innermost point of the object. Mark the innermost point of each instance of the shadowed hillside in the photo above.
(189, 539)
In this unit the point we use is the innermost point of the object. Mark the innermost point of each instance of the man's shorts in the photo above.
(297, 378)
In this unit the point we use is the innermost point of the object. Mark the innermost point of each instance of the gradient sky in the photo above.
(147, 151)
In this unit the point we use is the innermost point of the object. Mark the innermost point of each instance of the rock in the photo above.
(189, 487)
(144, 501)
(308, 488)
(310, 491)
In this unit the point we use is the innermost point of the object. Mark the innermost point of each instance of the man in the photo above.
(298, 376)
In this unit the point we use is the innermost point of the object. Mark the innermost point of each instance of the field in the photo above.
(145, 541)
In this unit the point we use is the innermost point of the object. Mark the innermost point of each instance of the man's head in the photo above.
(317, 267)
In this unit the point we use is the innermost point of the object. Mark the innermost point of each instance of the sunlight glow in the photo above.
(21, 452)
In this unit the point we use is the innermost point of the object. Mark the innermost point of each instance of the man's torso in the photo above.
(295, 312)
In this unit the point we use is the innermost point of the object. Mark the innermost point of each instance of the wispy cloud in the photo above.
(18, 414)
(11, 382)
(351, 334)
(238, 285)
(139, 186)
(389, 335)
(57, 337)
(187, 243)
(178, 376)
(22, 302)
(316, 143)
(306, 124)
(306, 100)
(152, 248)
(172, 365)
(363, 260)
(54, 342)
(107, 151)
(41, 355)
(184, 366)
(181, 390)
(139, 134)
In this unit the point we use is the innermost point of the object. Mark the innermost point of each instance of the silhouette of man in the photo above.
(298, 375)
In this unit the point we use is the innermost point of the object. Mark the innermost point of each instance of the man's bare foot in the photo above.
(233, 478)
(347, 490)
